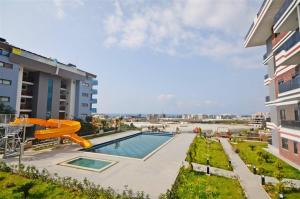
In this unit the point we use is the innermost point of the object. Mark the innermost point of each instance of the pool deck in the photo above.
(153, 176)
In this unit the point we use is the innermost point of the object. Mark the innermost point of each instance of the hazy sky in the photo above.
(176, 56)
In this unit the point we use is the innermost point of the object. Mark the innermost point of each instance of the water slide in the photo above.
(56, 129)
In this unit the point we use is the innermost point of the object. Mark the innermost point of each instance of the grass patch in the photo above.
(191, 184)
(289, 193)
(9, 183)
(199, 153)
(249, 151)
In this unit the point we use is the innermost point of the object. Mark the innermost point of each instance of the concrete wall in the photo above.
(79, 109)
(9, 74)
(41, 94)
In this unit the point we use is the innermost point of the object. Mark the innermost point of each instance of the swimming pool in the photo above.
(88, 163)
(139, 145)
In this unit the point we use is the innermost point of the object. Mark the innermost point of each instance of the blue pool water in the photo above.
(89, 163)
(135, 146)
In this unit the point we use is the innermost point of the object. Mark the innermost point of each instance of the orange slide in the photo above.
(55, 129)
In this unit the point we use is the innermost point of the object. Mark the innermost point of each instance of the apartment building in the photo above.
(276, 26)
(44, 88)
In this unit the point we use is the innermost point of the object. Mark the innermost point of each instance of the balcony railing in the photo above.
(63, 97)
(94, 91)
(25, 107)
(94, 110)
(95, 82)
(257, 15)
(267, 98)
(294, 39)
(4, 53)
(266, 76)
(282, 10)
(27, 92)
(289, 85)
(293, 124)
(94, 101)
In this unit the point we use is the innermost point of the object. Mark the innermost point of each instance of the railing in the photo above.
(62, 108)
(266, 76)
(267, 98)
(27, 93)
(4, 53)
(282, 10)
(7, 118)
(94, 91)
(257, 15)
(95, 82)
(294, 39)
(28, 79)
(289, 85)
(26, 107)
(293, 124)
(94, 101)
(63, 97)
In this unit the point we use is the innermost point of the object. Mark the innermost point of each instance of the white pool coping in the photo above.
(133, 158)
(67, 164)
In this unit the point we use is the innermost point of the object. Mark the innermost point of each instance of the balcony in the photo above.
(27, 92)
(289, 85)
(94, 101)
(4, 53)
(94, 110)
(63, 97)
(25, 107)
(267, 99)
(94, 91)
(293, 124)
(288, 53)
(95, 82)
(261, 28)
(282, 10)
(286, 18)
(266, 76)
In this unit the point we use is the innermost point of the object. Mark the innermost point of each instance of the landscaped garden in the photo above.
(289, 193)
(31, 183)
(204, 148)
(191, 184)
(252, 153)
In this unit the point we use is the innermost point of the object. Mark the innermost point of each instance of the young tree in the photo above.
(25, 188)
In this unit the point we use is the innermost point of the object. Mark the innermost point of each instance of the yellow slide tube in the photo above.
(56, 129)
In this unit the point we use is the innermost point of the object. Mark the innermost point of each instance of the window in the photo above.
(285, 143)
(85, 105)
(5, 82)
(5, 65)
(85, 84)
(296, 115)
(49, 98)
(282, 115)
(85, 95)
(295, 147)
(4, 99)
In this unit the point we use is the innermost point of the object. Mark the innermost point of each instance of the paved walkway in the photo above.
(248, 180)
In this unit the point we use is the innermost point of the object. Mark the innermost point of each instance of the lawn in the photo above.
(288, 192)
(9, 182)
(200, 151)
(191, 184)
(266, 166)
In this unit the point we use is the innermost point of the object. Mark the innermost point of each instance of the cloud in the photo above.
(210, 28)
(61, 6)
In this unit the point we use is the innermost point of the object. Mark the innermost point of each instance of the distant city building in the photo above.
(258, 120)
(44, 88)
(276, 26)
